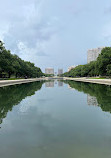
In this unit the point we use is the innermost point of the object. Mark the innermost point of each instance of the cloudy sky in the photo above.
(55, 33)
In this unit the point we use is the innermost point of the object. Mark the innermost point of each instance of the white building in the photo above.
(60, 71)
(92, 54)
(71, 67)
(49, 71)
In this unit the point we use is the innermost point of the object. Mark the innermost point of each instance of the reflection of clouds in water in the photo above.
(36, 127)
(45, 129)
(44, 100)
(53, 127)
(25, 106)
(71, 87)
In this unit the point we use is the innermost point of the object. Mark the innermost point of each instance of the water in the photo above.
(55, 120)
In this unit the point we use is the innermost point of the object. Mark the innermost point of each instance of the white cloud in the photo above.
(28, 31)
(106, 31)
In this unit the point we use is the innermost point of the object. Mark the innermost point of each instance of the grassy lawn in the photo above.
(99, 78)
(11, 78)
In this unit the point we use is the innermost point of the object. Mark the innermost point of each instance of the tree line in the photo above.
(11, 64)
(100, 67)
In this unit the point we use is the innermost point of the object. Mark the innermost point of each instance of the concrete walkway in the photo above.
(4, 83)
(98, 81)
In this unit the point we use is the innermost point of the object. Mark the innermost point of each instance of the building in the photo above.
(92, 54)
(71, 67)
(60, 71)
(49, 71)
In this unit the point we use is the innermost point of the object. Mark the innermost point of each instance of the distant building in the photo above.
(92, 54)
(60, 71)
(71, 67)
(49, 71)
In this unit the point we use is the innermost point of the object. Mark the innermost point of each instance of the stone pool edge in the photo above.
(97, 81)
(5, 83)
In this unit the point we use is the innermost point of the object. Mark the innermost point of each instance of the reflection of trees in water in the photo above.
(13, 95)
(101, 92)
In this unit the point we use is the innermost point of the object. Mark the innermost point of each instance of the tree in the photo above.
(104, 60)
(109, 70)
(1, 46)
(12, 64)
(100, 67)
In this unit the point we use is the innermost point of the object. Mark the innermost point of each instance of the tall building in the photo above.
(49, 71)
(92, 54)
(71, 67)
(60, 71)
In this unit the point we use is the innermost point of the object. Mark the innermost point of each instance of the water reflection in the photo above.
(49, 84)
(13, 95)
(52, 83)
(58, 123)
(97, 95)
(91, 100)
(60, 84)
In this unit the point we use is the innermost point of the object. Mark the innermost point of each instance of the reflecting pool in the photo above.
(55, 119)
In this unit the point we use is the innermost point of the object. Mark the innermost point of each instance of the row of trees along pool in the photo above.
(12, 65)
(100, 67)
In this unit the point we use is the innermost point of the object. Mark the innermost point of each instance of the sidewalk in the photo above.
(98, 81)
(4, 83)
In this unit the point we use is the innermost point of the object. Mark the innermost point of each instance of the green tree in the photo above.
(104, 60)
(109, 70)
(12, 64)
(102, 66)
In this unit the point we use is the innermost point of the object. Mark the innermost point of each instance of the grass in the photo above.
(98, 78)
(11, 78)
(15, 78)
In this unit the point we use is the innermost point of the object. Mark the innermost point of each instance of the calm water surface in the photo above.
(55, 120)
